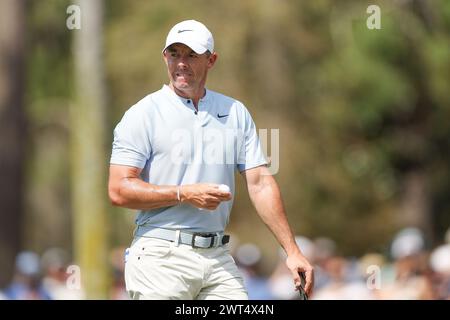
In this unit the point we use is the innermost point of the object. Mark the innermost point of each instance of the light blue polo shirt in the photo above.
(174, 145)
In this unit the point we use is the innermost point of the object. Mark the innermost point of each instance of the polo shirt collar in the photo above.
(169, 91)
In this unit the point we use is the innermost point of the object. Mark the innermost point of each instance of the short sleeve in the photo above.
(132, 143)
(250, 151)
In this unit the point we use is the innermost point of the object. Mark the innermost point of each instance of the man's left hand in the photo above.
(297, 263)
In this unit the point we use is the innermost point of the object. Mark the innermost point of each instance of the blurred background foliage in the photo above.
(363, 114)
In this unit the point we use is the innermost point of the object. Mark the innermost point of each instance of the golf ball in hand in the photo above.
(224, 188)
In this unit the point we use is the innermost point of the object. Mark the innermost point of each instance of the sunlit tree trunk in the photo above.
(416, 204)
(89, 162)
(12, 131)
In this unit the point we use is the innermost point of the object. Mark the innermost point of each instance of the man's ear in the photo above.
(164, 55)
(212, 60)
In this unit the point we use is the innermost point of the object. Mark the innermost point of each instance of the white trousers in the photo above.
(159, 269)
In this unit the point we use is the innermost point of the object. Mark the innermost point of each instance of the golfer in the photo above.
(174, 156)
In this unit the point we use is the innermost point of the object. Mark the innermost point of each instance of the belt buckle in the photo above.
(204, 235)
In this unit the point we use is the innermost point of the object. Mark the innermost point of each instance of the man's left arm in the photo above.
(266, 198)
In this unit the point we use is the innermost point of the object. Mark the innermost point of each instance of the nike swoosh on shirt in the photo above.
(222, 115)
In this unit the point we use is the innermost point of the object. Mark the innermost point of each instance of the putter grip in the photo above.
(301, 290)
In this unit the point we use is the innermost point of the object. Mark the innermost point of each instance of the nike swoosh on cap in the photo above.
(180, 31)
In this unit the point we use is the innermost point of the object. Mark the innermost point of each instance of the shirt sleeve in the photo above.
(250, 151)
(132, 143)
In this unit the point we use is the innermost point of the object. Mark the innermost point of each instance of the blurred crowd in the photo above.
(53, 276)
(409, 271)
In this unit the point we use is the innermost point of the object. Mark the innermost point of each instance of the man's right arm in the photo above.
(126, 189)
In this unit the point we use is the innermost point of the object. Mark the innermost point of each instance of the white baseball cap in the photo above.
(192, 33)
(407, 242)
(440, 259)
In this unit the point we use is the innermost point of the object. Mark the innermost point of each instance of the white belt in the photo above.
(194, 239)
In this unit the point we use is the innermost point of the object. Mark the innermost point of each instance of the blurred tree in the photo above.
(378, 113)
(88, 153)
(12, 132)
(49, 83)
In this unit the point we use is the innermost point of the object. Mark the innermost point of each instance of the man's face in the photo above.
(187, 70)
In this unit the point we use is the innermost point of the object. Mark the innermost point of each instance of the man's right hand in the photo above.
(203, 195)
